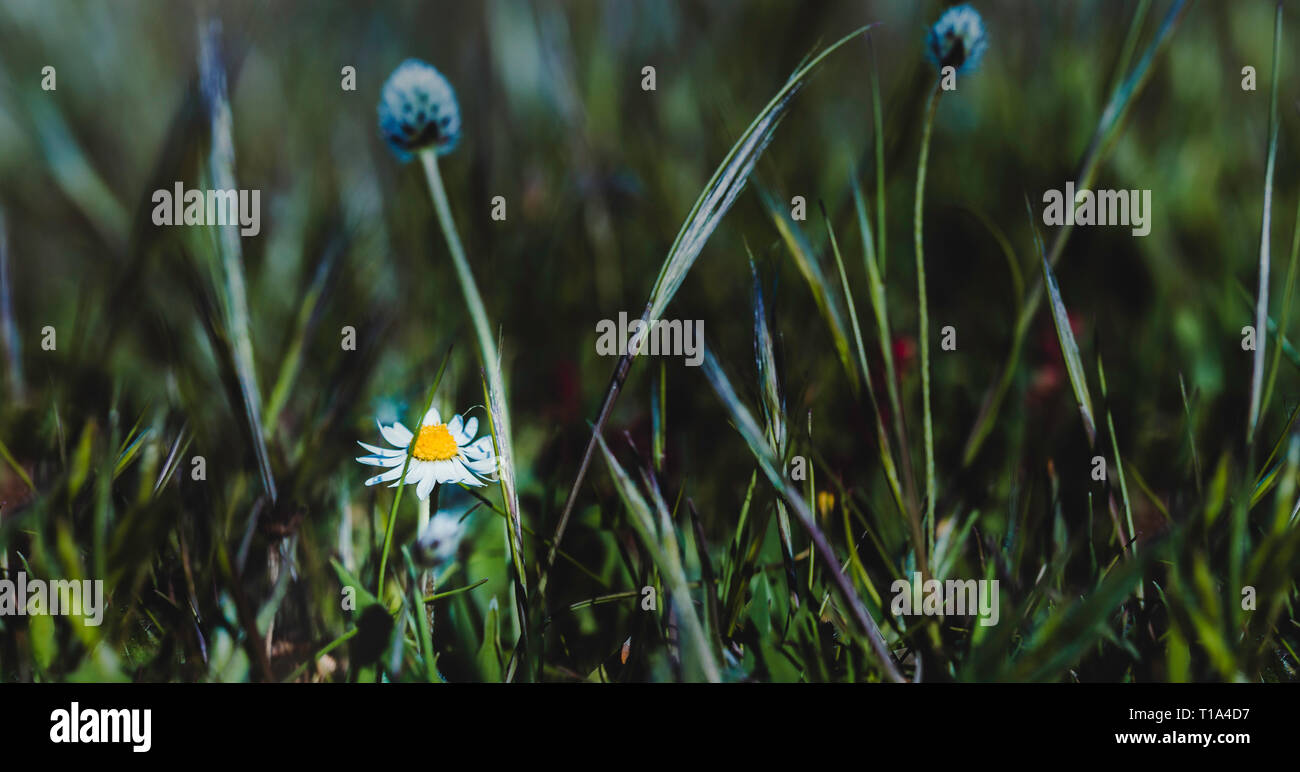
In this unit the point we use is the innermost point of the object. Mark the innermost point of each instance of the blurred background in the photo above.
(215, 580)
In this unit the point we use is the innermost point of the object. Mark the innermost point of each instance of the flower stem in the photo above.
(487, 352)
(424, 516)
(487, 349)
(425, 575)
(924, 313)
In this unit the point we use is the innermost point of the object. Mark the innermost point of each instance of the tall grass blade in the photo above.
(704, 217)
(233, 295)
(1265, 233)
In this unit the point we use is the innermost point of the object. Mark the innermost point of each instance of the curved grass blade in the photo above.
(709, 209)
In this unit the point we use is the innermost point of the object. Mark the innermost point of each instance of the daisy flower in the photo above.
(440, 453)
(957, 39)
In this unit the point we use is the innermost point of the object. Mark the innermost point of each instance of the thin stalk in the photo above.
(880, 158)
(924, 310)
(422, 522)
(474, 302)
(478, 315)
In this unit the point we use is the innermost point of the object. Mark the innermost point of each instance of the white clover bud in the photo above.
(418, 110)
(957, 39)
(437, 544)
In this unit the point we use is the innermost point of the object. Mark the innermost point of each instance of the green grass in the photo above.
(746, 520)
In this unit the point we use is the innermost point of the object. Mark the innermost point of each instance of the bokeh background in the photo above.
(598, 176)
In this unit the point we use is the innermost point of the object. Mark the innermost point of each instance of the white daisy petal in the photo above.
(459, 471)
(391, 474)
(414, 473)
(396, 434)
(454, 426)
(378, 451)
(382, 460)
(443, 471)
(469, 479)
(467, 476)
(425, 487)
(480, 448)
(484, 466)
(467, 434)
(431, 417)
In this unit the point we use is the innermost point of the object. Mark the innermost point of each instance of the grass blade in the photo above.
(1065, 335)
(1265, 232)
(709, 209)
(233, 294)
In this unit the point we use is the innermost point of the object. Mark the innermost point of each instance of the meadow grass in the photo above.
(747, 520)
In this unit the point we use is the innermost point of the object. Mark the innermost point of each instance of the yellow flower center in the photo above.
(435, 443)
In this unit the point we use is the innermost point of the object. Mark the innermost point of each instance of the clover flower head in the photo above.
(418, 110)
(440, 453)
(437, 544)
(957, 39)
